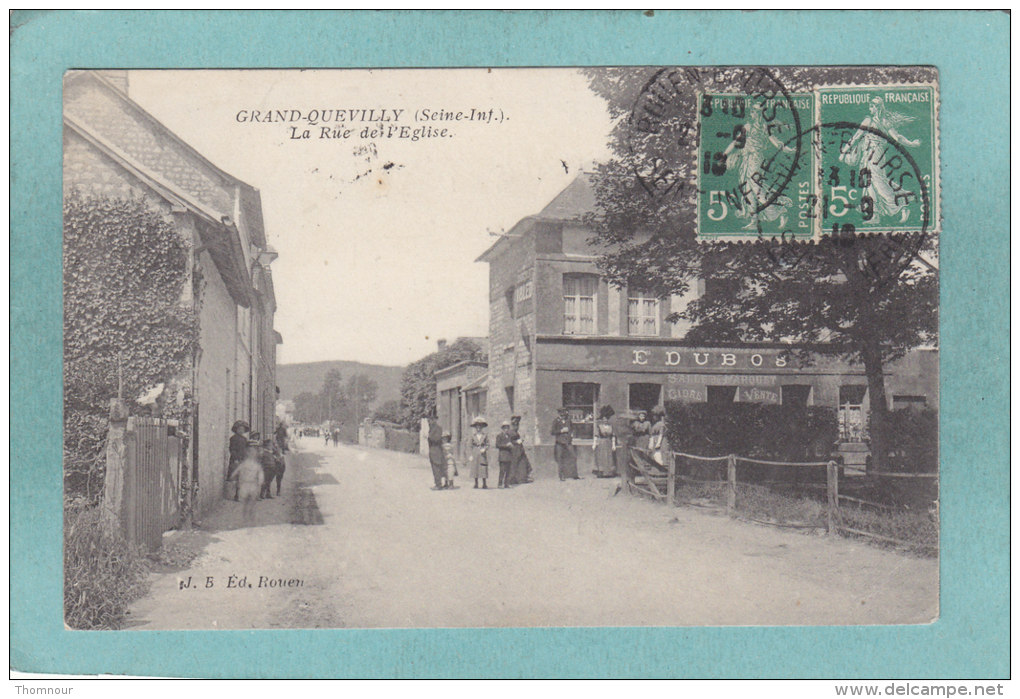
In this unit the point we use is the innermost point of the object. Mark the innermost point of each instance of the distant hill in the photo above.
(294, 379)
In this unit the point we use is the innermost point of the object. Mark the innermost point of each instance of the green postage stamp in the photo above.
(837, 160)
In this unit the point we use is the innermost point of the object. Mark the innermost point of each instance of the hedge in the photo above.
(753, 430)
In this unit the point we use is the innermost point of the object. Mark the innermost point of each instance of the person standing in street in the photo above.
(605, 444)
(451, 461)
(238, 447)
(249, 482)
(503, 444)
(479, 457)
(563, 451)
(656, 442)
(268, 460)
(642, 430)
(281, 436)
(520, 465)
(436, 457)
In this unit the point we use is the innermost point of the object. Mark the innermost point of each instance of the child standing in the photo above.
(249, 482)
(451, 463)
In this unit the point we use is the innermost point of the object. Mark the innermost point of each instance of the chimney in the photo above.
(441, 343)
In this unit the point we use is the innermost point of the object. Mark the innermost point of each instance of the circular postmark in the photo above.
(869, 178)
(715, 135)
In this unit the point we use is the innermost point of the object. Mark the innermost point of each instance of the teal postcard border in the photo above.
(971, 51)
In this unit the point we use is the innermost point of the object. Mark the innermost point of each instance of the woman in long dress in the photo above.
(655, 442)
(605, 444)
(642, 430)
(563, 451)
(478, 460)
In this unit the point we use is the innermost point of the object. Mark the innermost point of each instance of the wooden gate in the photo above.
(152, 480)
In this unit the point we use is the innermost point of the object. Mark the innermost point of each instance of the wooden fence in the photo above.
(660, 482)
(152, 470)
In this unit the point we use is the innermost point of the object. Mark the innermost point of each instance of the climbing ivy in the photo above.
(125, 267)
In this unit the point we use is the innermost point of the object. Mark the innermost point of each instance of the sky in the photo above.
(378, 235)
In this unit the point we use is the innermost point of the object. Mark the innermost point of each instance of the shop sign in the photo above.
(757, 395)
(715, 359)
(687, 394)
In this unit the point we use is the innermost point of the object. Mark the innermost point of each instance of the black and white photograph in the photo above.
(501, 347)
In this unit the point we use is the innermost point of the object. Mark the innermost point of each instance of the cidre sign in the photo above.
(733, 359)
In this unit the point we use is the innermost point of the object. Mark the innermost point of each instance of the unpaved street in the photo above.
(360, 540)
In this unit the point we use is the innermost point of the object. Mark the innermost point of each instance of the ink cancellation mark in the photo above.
(754, 169)
(879, 159)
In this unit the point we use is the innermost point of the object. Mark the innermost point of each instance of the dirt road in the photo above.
(358, 539)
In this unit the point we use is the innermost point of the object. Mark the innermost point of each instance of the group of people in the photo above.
(612, 443)
(614, 440)
(255, 463)
(511, 458)
(333, 434)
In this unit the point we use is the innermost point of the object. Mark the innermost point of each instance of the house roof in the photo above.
(479, 382)
(219, 228)
(571, 204)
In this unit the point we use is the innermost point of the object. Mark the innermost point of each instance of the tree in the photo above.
(331, 396)
(390, 411)
(307, 408)
(359, 394)
(869, 299)
(418, 383)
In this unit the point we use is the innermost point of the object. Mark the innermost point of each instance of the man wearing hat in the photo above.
(505, 446)
(436, 457)
(520, 466)
(566, 459)
(238, 450)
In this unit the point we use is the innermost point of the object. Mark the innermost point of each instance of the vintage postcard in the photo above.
(691, 329)
(451, 359)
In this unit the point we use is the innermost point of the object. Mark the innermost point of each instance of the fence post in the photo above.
(671, 485)
(832, 489)
(116, 454)
(731, 484)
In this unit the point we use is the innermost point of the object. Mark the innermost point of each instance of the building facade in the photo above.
(114, 148)
(561, 336)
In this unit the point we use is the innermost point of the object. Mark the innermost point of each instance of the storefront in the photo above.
(560, 335)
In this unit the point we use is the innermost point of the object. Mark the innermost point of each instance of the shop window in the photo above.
(580, 400)
(522, 299)
(721, 394)
(475, 403)
(644, 396)
(796, 395)
(579, 292)
(917, 403)
(852, 418)
(642, 314)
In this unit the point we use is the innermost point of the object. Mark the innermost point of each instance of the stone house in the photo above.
(113, 147)
(561, 336)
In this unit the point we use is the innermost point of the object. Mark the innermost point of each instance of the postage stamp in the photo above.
(753, 177)
(879, 158)
(837, 159)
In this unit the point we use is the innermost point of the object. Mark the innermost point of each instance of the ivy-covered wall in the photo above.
(125, 271)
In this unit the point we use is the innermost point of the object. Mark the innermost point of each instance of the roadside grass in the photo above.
(905, 529)
(102, 573)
